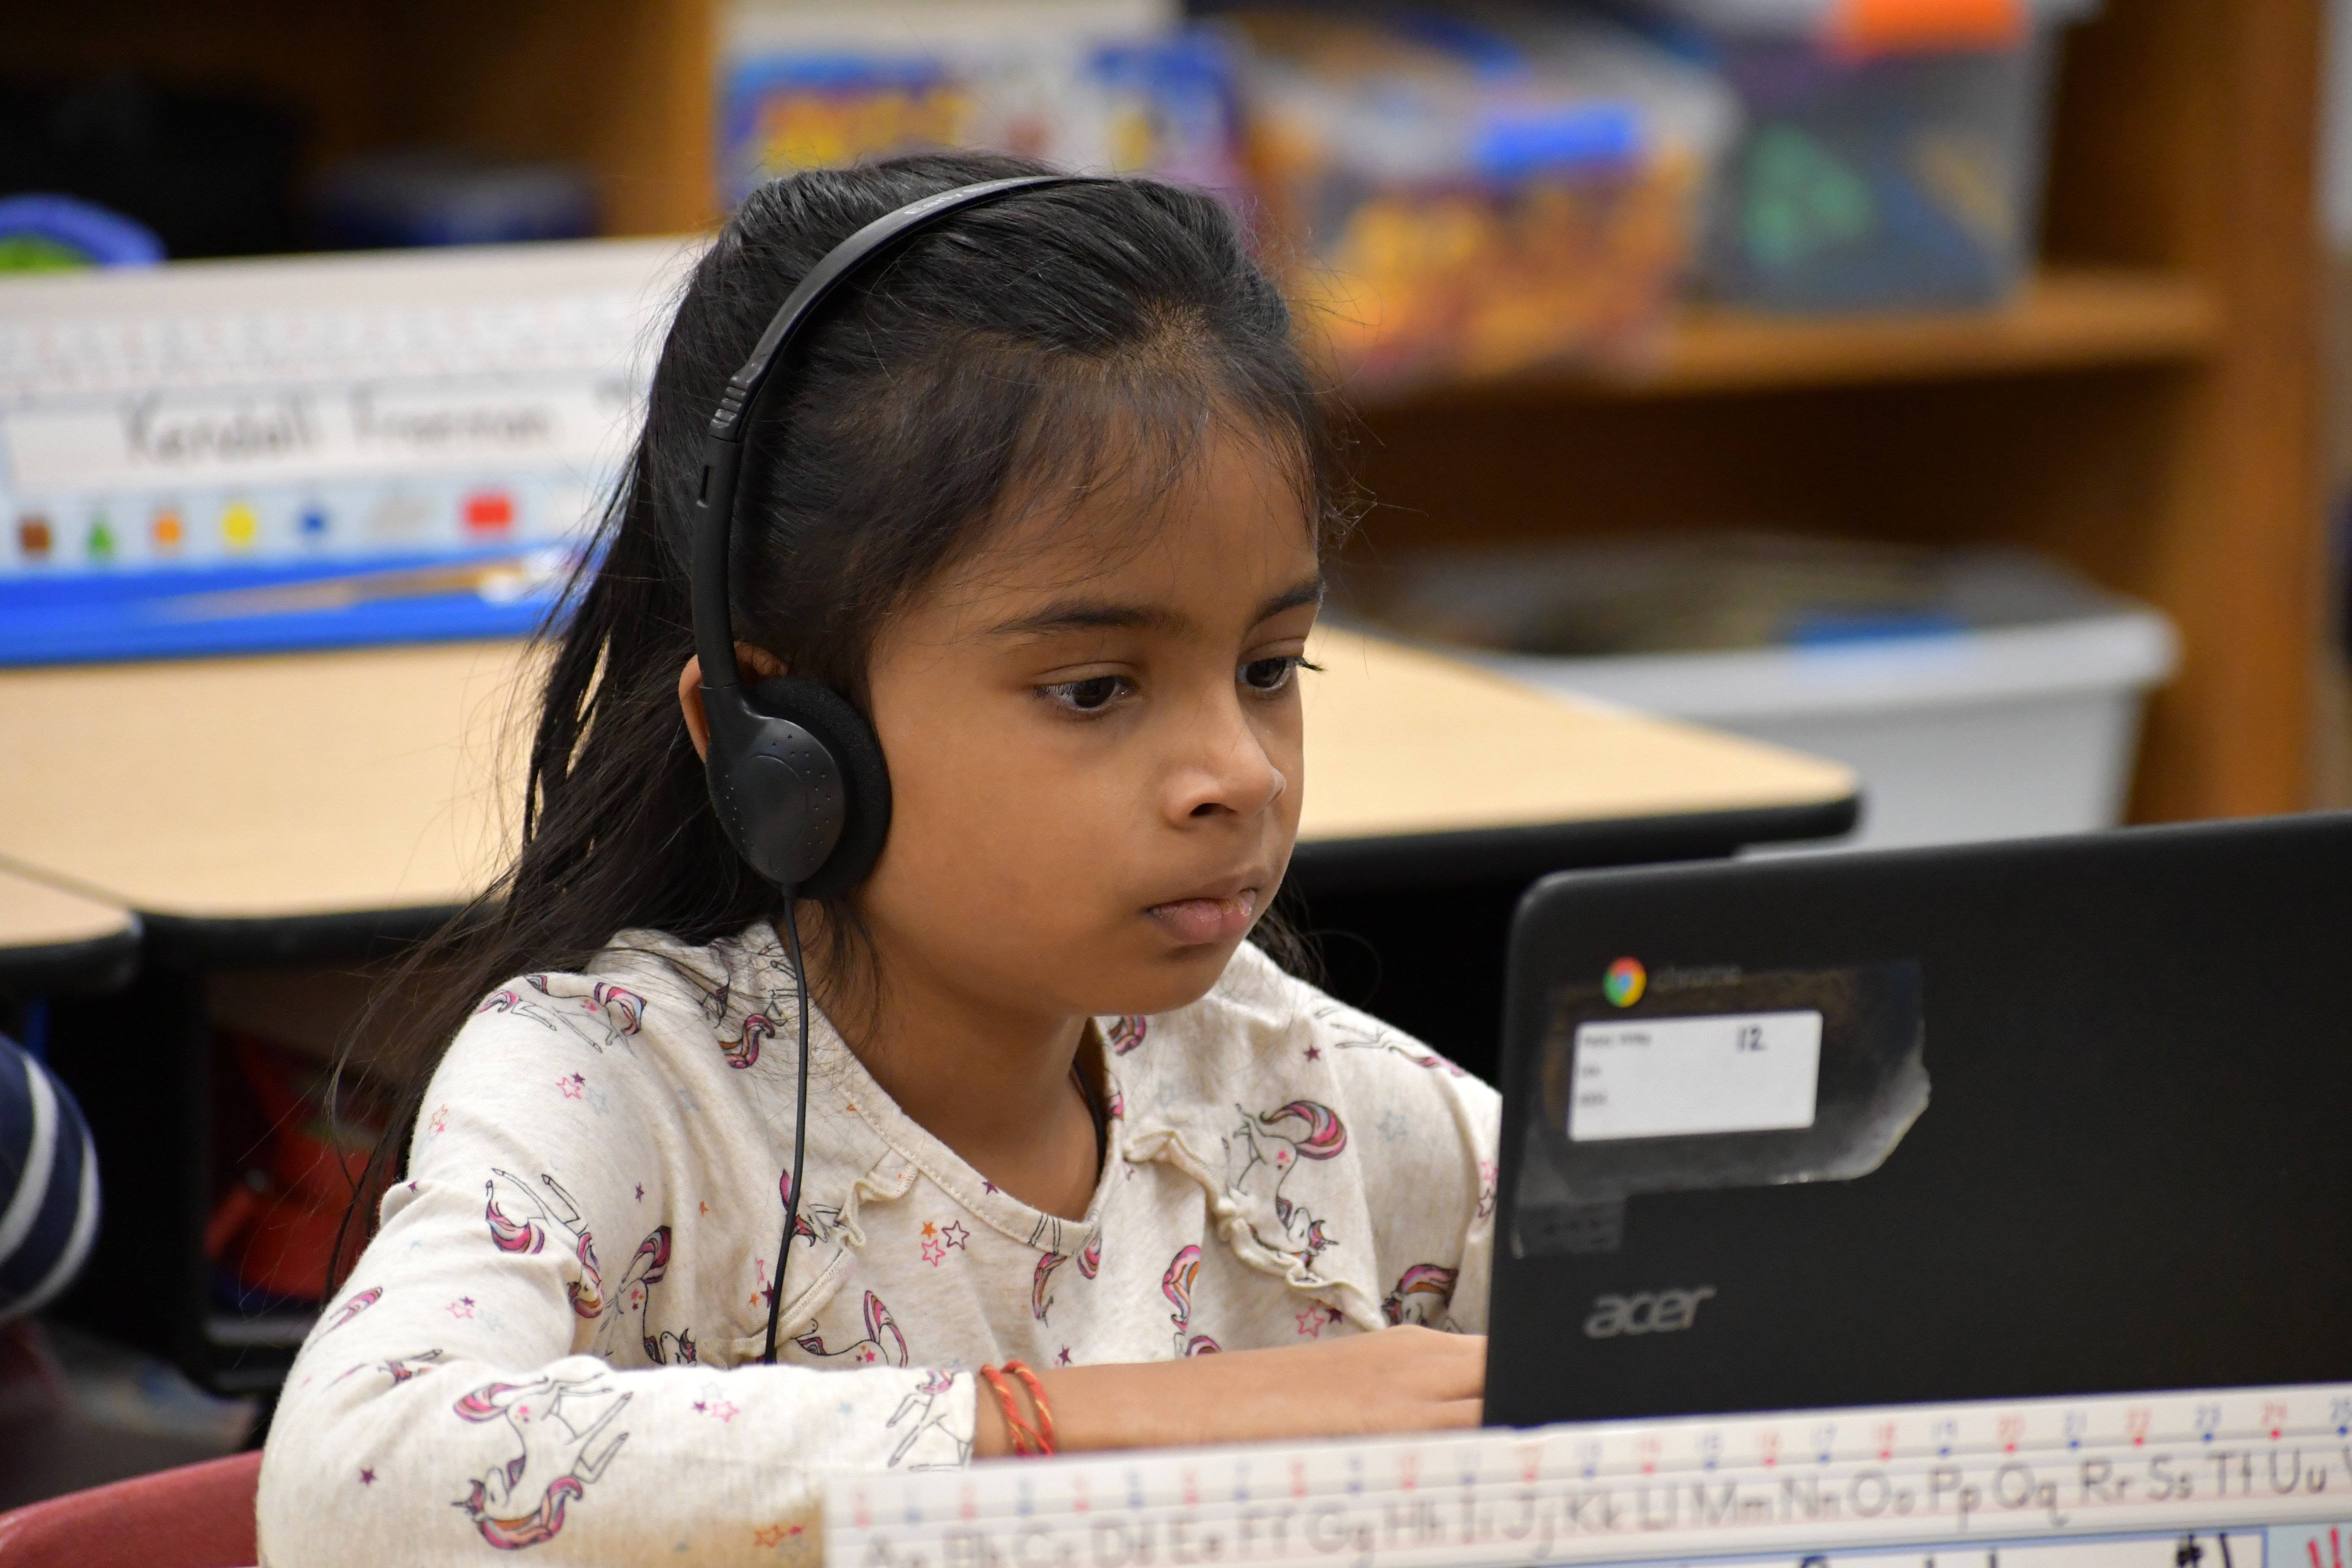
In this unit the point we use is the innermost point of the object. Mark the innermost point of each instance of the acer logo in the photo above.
(1647, 1312)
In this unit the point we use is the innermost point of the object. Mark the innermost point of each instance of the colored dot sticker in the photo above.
(1625, 981)
(101, 543)
(488, 511)
(166, 530)
(33, 537)
(314, 521)
(240, 523)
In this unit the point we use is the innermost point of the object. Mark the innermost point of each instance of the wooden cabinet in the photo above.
(2147, 410)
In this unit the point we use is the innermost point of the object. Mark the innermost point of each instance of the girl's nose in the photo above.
(1225, 770)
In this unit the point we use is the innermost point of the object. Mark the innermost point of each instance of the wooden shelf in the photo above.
(2061, 320)
(2064, 318)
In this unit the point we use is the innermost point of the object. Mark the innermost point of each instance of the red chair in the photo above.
(198, 1516)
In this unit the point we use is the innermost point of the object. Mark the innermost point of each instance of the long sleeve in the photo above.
(1429, 1133)
(552, 1344)
(500, 1372)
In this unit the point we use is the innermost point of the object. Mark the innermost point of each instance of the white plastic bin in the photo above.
(1993, 696)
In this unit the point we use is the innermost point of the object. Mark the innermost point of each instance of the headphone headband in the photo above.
(788, 773)
(833, 269)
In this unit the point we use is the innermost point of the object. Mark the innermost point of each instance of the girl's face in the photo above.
(1095, 765)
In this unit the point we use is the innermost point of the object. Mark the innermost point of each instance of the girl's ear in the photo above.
(752, 662)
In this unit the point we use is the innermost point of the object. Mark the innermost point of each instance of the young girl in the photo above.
(1043, 497)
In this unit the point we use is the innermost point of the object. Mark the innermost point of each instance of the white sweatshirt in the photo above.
(552, 1343)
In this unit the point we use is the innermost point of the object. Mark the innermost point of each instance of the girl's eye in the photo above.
(1272, 674)
(1091, 695)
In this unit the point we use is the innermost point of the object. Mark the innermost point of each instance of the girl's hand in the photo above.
(1404, 1379)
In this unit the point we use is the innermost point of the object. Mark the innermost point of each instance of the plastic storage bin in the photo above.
(1102, 85)
(1477, 191)
(1979, 694)
(1892, 152)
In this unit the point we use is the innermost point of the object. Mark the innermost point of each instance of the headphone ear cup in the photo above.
(828, 717)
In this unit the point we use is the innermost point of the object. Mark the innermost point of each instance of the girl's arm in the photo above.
(1405, 1379)
(443, 1409)
(455, 1399)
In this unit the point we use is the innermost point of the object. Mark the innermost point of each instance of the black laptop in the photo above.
(2063, 1116)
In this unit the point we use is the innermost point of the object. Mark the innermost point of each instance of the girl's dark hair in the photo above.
(1057, 341)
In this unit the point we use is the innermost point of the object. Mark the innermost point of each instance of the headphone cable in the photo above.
(799, 1126)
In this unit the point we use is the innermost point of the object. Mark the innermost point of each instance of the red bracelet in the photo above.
(1026, 1439)
(1020, 1369)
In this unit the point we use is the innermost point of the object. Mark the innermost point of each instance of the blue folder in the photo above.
(104, 616)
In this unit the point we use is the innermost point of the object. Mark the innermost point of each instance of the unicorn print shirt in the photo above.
(552, 1346)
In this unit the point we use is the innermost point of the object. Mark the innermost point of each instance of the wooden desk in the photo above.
(299, 810)
(53, 938)
(1423, 769)
(291, 807)
(265, 807)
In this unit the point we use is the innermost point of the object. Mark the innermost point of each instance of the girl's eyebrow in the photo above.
(1307, 591)
(1106, 614)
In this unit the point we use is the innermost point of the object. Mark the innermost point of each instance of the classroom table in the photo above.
(298, 807)
(53, 938)
(315, 809)
(1423, 769)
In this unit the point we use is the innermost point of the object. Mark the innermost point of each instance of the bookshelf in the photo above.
(2147, 409)
(2066, 318)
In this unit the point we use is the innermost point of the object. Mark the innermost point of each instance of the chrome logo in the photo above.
(1625, 981)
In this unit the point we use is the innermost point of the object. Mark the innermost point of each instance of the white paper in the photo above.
(552, 422)
(1663, 1078)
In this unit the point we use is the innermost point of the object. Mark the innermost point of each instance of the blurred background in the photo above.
(1751, 326)
(1959, 389)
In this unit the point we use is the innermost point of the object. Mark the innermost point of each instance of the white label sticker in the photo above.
(1663, 1078)
(573, 421)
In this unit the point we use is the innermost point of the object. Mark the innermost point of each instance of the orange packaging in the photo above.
(1863, 28)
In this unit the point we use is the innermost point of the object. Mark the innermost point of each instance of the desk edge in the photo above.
(262, 942)
(1324, 865)
(1486, 854)
(87, 964)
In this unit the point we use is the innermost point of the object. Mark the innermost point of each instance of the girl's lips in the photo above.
(1197, 922)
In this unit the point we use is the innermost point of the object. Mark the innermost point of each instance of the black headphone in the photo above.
(797, 774)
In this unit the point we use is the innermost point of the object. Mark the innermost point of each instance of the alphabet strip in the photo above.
(1787, 1486)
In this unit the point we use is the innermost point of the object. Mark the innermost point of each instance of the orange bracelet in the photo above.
(1026, 1439)
(1020, 1369)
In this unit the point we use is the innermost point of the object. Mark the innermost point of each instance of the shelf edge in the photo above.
(2065, 319)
